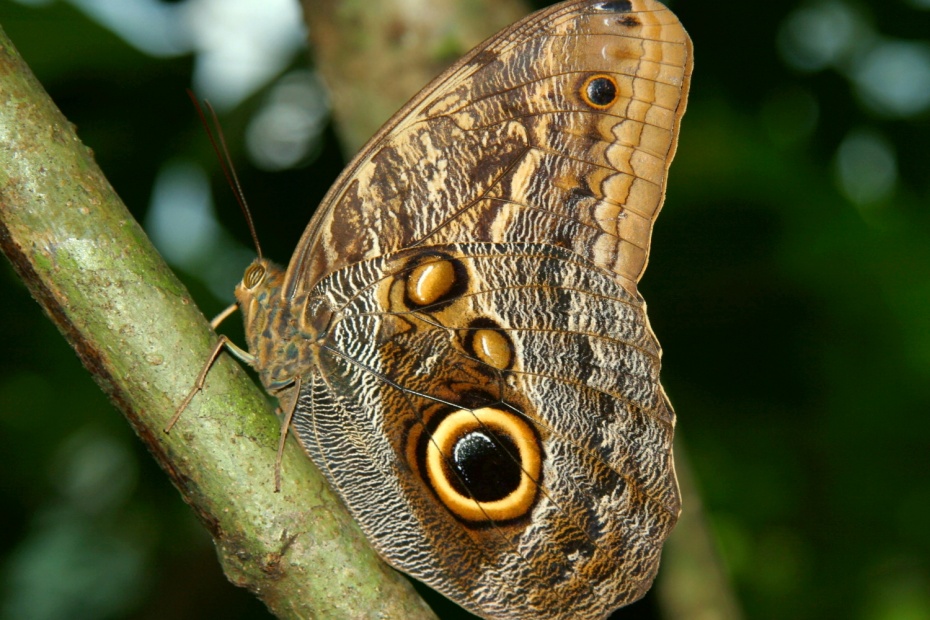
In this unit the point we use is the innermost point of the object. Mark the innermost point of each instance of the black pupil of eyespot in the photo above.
(618, 6)
(601, 91)
(487, 465)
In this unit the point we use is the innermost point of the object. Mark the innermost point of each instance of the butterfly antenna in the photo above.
(222, 154)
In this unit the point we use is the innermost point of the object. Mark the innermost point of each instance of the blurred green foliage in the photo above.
(789, 286)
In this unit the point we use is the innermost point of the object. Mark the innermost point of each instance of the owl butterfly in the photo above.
(459, 337)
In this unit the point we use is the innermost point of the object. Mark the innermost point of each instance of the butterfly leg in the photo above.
(288, 408)
(222, 316)
(222, 343)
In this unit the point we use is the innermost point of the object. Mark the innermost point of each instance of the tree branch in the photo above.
(136, 329)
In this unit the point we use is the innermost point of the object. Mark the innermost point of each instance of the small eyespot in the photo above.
(485, 340)
(599, 91)
(435, 281)
(254, 275)
(430, 282)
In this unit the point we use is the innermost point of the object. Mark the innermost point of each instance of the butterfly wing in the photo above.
(484, 391)
(507, 146)
(548, 365)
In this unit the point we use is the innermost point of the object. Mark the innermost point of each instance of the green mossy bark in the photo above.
(135, 327)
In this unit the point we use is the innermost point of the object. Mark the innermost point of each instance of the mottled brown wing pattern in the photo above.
(583, 375)
(504, 147)
(477, 376)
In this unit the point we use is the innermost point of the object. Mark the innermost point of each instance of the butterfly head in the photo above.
(261, 280)
(263, 310)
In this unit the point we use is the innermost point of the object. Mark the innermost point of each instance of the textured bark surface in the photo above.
(135, 328)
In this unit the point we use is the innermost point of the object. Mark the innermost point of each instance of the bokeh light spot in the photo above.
(283, 132)
(180, 220)
(866, 167)
(818, 36)
(894, 77)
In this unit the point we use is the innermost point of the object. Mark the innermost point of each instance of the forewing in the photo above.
(506, 146)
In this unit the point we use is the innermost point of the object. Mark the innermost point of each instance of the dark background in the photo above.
(789, 285)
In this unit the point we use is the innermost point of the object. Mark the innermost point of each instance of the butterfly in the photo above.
(459, 343)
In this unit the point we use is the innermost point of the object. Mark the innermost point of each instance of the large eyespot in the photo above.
(254, 275)
(599, 91)
(489, 343)
(484, 464)
(434, 280)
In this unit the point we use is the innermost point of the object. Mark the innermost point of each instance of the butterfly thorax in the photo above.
(270, 331)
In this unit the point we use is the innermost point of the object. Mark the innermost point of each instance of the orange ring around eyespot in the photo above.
(459, 423)
(587, 99)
